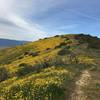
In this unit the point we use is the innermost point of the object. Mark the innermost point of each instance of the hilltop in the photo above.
(48, 68)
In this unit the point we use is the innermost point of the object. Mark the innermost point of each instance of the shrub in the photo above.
(56, 35)
(24, 69)
(3, 74)
(30, 53)
(48, 48)
(64, 51)
(40, 39)
(66, 39)
(33, 54)
(26, 53)
(42, 63)
(46, 38)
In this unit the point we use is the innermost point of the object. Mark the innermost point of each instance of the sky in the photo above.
(34, 19)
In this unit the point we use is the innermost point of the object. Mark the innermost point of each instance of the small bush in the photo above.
(48, 48)
(24, 69)
(31, 53)
(40, 39)
(42, 63)
(56, 35)
(26, 53)
(3, 74)
(45, 38)
(63, 51)
(66, 39)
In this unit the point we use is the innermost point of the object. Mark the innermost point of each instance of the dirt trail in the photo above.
(81, 83)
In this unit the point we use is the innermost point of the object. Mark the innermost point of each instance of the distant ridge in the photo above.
(10, 43)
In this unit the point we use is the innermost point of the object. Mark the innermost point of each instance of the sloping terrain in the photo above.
(49, 69)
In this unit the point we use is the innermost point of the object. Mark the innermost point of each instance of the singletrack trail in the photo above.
(80, 84)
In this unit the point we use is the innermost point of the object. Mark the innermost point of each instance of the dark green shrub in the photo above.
(64, 51)
(26, 53)
(56, 35)
(41, 64)
(45, 38)
(3, 74)
(40, 39)
(30, 53)
(48, 48)
(24, 69)
(33, 54)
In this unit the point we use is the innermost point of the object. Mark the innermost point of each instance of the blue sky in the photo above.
(34, 19)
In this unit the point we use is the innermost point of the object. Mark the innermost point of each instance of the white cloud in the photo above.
(13, 32)
(11, 12)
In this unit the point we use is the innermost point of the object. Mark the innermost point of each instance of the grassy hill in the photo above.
(47, 69)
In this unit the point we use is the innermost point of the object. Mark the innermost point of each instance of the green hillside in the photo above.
(47, 69)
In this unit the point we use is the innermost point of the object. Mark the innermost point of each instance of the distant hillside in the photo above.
(10, 43)
(63, 67)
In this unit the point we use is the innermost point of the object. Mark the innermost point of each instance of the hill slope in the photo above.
(47, 69)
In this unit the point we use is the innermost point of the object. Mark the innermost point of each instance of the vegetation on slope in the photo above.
(46, 69)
